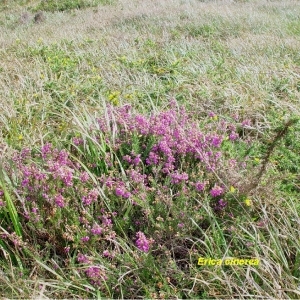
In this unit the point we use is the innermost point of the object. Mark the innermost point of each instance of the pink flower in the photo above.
(216, 141)
(137, 160)
(106, 221)
(233, 136)
(200, 186)
(82, 258)
(46, 149)
(91, 197)
(63, 157)
(216, 191)
(95, 273)
(59, 201)
(63, 172)
(126, 195)
(84, 177)
(153, 158)
(221, 204)
(97, 230)
(85, 239)
(119, 191)
(177, 178)
(77, 141)
(142, 242)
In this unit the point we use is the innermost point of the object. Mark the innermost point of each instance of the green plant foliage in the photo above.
(64, 5)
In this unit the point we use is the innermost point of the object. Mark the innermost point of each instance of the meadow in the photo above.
(140, 138)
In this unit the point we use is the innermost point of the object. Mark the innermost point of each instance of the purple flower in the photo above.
(59, 201)
(25, 153)
(218, 155)
(46, 149)
(67, 249)
(200, 186)
(153, 158)
(86, 200)
(109, 183)
(136, 160)
(177, 178)
(82, 258)
(95, 273)
(77, 141)
(85, 239)
(142, 124)
(63, 157)
(97, 230)
(24, 183)
(233, 136)
(216, 191)
(84, 177)
(136, 176)
(63, 172)
(92, 196)
(119, 191)
(221, 204)
(126, 195)
(142, 242)
(216, 141)
(106, 221)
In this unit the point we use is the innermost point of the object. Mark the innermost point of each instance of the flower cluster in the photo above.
(96, 274)
(142, 242)
(216, 191)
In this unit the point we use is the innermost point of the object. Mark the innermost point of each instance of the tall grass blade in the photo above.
(13, 214)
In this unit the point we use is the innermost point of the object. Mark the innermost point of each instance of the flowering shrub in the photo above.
(133, 176)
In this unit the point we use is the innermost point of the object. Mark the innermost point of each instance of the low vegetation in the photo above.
(133, 143)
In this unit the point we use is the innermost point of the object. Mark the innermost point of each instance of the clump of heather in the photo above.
(60, 202)
(136, 177)
(162, 165)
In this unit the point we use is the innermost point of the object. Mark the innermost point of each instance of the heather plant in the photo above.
(158, 151)
(143, 181)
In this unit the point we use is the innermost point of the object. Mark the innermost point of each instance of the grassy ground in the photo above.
(139, 136)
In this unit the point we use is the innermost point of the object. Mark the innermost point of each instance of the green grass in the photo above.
(65, 5)
(225, 63)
